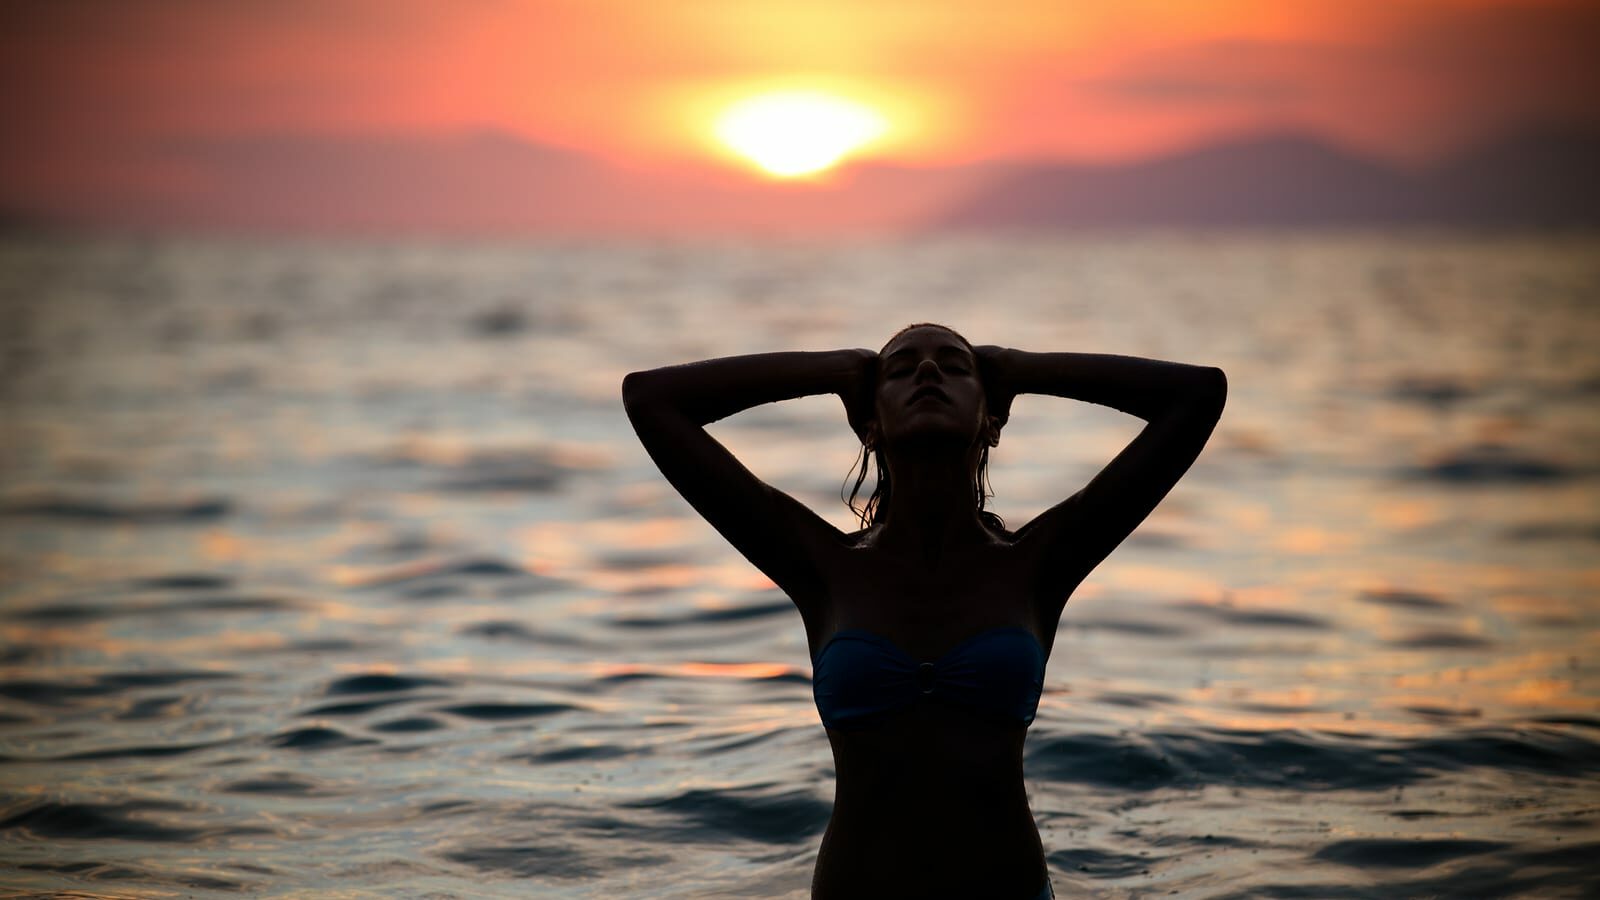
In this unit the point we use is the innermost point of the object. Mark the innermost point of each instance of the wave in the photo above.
(93, 509)
(1305, 761)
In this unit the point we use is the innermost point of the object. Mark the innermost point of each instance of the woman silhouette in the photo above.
(928, 628)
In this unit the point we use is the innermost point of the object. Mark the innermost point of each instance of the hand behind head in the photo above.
(859, 395)
(997, 389)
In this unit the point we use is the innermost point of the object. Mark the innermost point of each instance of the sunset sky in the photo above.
(97, 95)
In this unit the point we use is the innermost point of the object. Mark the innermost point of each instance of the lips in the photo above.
(928, 392)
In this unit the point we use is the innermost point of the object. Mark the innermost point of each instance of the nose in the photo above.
(926, 367)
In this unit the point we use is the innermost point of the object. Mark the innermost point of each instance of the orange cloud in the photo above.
(92, 93)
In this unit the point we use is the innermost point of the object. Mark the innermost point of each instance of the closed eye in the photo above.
(949, 358)
(899, 371)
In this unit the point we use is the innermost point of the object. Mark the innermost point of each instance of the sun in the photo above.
(793, 133)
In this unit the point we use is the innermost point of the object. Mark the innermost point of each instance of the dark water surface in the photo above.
(336, 570)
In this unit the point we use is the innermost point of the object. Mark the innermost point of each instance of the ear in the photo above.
(997, 407)
(870, 435)
(991, 431)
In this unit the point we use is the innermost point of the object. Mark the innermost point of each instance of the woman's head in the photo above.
(929, 400)
(929, 388)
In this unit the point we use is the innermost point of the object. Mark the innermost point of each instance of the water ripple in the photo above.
(1301, 760)
(781, 817)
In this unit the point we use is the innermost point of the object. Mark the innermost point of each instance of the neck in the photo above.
(933, 508)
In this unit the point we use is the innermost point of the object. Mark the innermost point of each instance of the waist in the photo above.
(989, 851)
(976, 779)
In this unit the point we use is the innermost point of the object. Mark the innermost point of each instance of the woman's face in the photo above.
(928, 386)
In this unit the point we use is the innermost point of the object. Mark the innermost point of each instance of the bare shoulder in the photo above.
(1003, 535)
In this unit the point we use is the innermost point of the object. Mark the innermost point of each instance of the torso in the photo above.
(932, 801)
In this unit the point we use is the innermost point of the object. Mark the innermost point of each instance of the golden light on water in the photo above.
(789, 134)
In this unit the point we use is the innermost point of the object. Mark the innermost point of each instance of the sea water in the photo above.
(334, 569)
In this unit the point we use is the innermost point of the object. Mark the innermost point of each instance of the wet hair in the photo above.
(868, 514)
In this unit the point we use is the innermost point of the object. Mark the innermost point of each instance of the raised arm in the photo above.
(669, 408)
(1182, 404)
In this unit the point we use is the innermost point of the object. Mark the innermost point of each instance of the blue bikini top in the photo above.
(860, 676)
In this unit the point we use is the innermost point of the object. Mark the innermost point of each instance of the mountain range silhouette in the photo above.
(1292, 180)
(497, 183)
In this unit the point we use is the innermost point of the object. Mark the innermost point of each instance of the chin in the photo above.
(933, 434)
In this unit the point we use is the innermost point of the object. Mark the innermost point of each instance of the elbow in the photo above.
(1213, 387)
(635, 386)
(648, 396)
(1204, 391)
